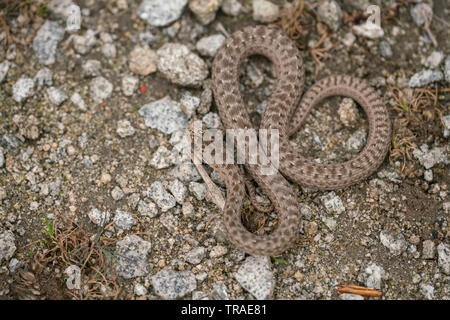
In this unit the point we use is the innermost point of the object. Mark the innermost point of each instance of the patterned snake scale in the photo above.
(281, 113)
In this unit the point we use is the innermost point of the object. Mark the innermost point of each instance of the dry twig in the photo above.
(362, 291)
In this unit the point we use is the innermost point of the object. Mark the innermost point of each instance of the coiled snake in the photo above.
(281, 113)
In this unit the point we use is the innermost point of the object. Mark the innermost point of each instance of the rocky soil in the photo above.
(98, 200)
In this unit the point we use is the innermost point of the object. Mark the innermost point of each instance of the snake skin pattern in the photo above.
(281, 113)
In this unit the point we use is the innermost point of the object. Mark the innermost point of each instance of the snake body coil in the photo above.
(281, 113)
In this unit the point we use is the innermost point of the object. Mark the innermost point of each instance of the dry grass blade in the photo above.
(290, 19)
(317, 52)
(70, 244)
(296, 21)
(412, 111)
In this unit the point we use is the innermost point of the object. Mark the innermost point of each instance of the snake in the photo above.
(286, 111)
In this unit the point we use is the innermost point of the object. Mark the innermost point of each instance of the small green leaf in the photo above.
(49, 227)
(404, 106)
(276, 260)
(43, 10)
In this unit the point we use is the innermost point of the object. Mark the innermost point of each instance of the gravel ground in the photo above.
(98, 200)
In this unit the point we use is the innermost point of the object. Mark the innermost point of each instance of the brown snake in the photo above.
(281, 113)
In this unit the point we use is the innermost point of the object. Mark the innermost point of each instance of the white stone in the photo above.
(23, 88)
(255, 276)
(265, 11)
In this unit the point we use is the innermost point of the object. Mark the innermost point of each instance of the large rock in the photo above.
(100, 89)
(443, 251)
(180, 65)
(56, 96)
(2, 158)
(368, 30)
(4, 67)
(7, 245)
(256, 276)
(189, 103)
(434, 59)
(421, 13)
(429, 158)
(170, 284)
(123, 220)
(60, 8)
(100, 218)
(330, 13)
(196, 255)
(129, 85)
(265, 11)
(159, 13)
(125, 129)
(46, 42)
(162, 198)
(131, 254)
(143, 60)
(186, 172)
(23, 88)
(84, 44)
(333, 203)
(372, 275)
(231, 7)
(395, 243)
(427, 291)
(428, 250)
(147, 208)
(208, 46)
(43, 77)
(164, 115)
(205, 10)
(424, 77)
(447, 69)
(177, 188)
